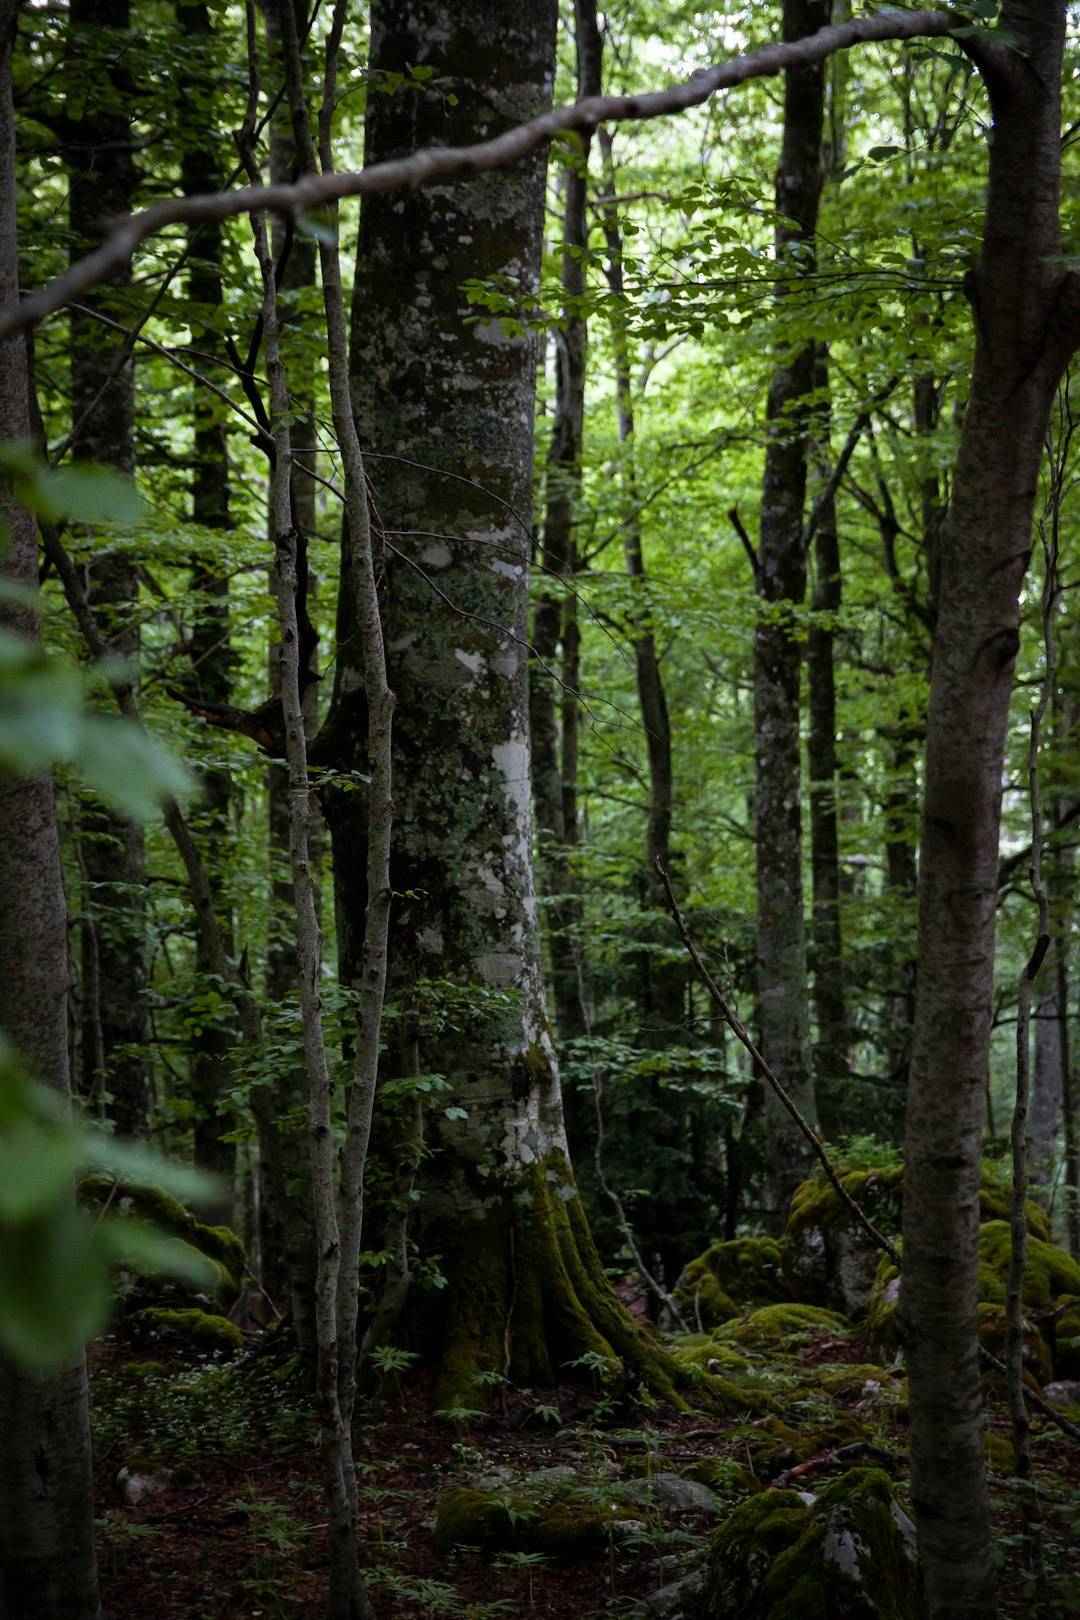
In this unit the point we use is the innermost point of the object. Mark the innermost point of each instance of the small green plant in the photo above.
(523, 1561)
(273, 1537)
(390, 1361)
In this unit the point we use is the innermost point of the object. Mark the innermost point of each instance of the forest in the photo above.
(539, 773)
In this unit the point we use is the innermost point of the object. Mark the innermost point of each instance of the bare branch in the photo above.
(314, 191)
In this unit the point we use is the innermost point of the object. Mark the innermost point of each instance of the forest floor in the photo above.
(239, 1532)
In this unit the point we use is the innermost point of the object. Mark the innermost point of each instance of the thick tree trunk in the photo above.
(211, 649)
(1025, 309)
(97, 148)
(47, 1566)
(783, 992)
(452, 397)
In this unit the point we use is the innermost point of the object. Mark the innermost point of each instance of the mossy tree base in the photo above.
(526, 1298)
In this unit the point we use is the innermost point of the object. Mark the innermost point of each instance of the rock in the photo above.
(673, 1492)
(1065, 1326)
(848, 1552)
(571, 1525)
(829, 1259)
(1050, 1271)
(677, 1599)
(133, 1484)
(724, 1280)
(772, 1324)
(153, 1207)
(1063, 1392)
(198, 1330)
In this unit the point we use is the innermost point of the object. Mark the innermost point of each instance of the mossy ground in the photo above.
(248, 1529)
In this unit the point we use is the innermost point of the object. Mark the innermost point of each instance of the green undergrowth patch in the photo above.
(187, 1410)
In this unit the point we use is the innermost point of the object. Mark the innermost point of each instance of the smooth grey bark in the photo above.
(1025, 308)
(47, 1565)
(444, 405)
(783, 992)
(98, 152)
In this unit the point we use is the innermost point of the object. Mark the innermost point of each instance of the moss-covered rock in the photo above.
(773, 1444)
(155, 1207)
(849, 1553)
(726, 1279)
(828, 1257)
(570, 1525)
(198, 1330)
(864, 1382)
(1066, 1329)
(1038, 1361)
(729, 1376)
(772, 1324)
(1050, 1271)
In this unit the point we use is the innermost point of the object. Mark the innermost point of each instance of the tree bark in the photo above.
(565, 921)
(97, 149)
(831, 1056)
(783, 997)
(446, 405)
(47, 1565)
(1025, 313)
(211, 648)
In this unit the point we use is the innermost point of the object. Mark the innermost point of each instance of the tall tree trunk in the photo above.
(47, 1565)
(446, 404)
(211, 648)
(1025, 308)
(287, 1236)
(97, 149)
(783, 998)
(565, 922)
(831, 1048)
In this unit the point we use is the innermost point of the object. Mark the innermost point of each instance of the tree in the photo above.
(97, 145)
(443, 393)
(1026, 312)
(47, 1562)
(783, 1001)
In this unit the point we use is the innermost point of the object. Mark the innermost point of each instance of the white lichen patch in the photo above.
(473, 661)
(437, 555)
(502, 968)
(507, 570)
(846, 1550)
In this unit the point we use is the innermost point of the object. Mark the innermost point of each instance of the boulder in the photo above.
(724, 1280)
(847, 1553)
(828, 1257)
(773, 1324)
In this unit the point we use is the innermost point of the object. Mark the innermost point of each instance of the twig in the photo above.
(740, 1032)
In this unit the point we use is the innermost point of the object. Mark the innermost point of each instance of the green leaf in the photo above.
(127, 767)
(132, 1242)
(130, 1161)
(37, 1169)
(54, 1288)
(85, 494)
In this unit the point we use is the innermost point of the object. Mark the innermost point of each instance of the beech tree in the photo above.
(442, 392)
(443, 373)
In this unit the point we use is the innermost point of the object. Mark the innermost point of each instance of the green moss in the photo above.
(780, 1558)
(526, 1276)
(999, 1453)
(816, 1204)
(1038, 1361)
(994, 1204)
(197, 1329)
(851, 1382)
(729, 1276)
(1067, 1341)
(1049, 1272)
(158, 1208)
(772, 1444)
(774, 1323)
(569, 1526)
